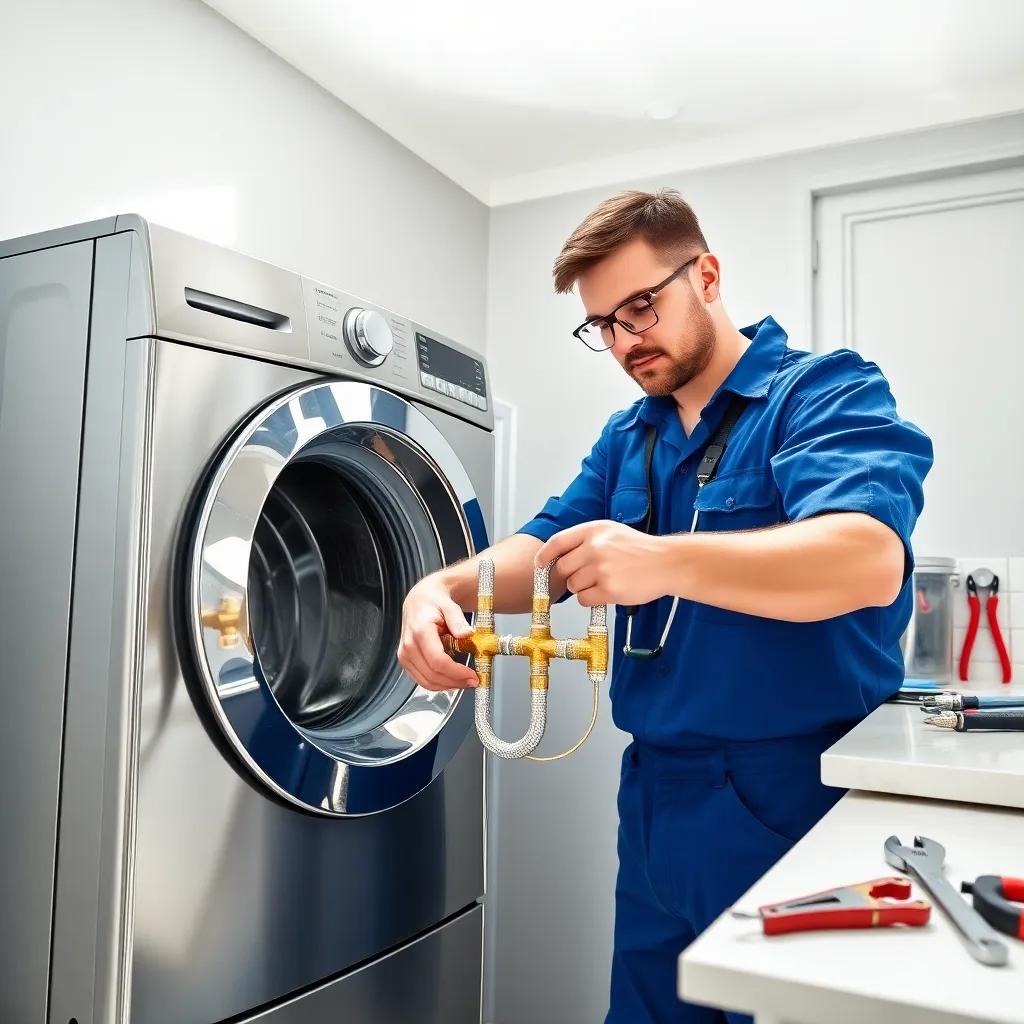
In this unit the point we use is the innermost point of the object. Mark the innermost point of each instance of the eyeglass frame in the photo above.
(649, 294)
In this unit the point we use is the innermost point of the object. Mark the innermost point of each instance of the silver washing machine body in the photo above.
(257, 813)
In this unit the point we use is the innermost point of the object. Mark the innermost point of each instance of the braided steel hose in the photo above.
(540, 647)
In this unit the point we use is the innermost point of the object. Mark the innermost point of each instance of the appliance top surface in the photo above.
(186, 289)
(63, 235)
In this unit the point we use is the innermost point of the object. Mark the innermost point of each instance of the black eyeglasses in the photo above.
(635, 314)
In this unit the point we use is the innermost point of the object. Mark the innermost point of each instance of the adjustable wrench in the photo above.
(924, 860)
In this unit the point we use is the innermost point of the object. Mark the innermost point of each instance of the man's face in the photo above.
(669, 354)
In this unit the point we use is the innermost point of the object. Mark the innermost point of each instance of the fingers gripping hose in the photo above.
(540, 647)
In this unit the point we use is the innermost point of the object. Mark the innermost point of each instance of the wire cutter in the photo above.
(993, 898)
(864, 905)
(986, 582)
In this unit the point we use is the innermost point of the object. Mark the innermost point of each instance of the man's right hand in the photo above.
(427, 614)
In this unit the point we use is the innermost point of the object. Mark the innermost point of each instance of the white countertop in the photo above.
(883, 975)
(893, 751)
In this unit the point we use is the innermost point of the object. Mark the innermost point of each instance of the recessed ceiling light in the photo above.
(662, 111)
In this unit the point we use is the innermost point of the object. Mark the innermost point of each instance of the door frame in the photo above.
(943, 195)
(885, 174)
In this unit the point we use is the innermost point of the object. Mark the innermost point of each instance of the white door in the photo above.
(927, 280)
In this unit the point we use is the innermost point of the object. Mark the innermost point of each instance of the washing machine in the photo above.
(222, 798)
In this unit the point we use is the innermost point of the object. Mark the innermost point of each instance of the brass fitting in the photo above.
(540, 647)
(229, 620)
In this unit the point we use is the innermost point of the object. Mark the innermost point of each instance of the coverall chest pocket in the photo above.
(629, 505)
(739, 500)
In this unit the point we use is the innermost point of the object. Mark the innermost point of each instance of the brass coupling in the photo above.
(540, 647)
(229, 619)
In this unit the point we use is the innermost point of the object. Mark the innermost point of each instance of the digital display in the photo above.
(450, 372)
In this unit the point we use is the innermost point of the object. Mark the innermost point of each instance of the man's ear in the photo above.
(709, 273)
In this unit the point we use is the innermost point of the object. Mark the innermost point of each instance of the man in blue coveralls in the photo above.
(778, 611)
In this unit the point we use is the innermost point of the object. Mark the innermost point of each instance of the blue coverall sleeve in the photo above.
(582, 501)
(844, 448)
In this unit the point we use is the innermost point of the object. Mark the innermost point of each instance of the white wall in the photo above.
(556, 857)
(161, 107)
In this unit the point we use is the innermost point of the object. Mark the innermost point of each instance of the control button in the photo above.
(463, 394)
(443, 386)
(368, 336)
(428, 380)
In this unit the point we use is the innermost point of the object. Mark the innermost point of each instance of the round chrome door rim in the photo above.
(387, 765)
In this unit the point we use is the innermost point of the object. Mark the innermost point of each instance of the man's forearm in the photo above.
(513, 576)
(802, 572)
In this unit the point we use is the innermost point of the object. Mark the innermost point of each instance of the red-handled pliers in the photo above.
(986, 582)
(992, 899)
(850, 906)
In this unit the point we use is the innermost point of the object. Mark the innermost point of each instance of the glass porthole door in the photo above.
(322, 513)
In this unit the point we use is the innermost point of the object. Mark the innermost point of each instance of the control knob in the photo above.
(368, 336)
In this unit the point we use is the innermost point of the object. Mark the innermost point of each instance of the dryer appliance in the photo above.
(222, 798)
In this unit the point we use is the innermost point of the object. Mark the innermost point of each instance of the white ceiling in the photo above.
(536, 97)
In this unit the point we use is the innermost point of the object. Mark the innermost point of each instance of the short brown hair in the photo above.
(663, 219)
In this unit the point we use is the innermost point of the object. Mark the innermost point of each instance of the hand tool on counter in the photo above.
(863, 905)
(916, 691)
(986, 582)
(922, 700)
(924, 860)
(993, 896)
(1008, 719)
(971, 701)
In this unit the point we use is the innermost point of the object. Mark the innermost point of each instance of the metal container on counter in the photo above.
(928, 641)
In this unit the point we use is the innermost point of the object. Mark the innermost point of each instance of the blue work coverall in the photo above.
(722, 775)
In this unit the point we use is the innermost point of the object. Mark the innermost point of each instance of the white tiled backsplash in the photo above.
(984, 665)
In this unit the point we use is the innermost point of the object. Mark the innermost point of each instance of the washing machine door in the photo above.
(313, 525)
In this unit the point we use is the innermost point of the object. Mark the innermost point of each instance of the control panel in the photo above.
(351, 335)
(204, 294)
(449, 372)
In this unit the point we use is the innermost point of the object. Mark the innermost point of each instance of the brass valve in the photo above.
(229, 620)
(540, 647)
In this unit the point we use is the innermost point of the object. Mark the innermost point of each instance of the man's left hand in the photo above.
(605, 562)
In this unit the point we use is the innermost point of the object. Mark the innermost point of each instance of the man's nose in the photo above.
(626, 341)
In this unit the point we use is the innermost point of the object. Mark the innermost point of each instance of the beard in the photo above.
(696, 342)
